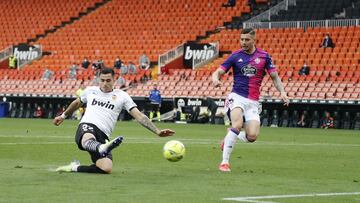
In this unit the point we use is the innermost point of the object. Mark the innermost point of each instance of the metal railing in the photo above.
(169, 56)
(204, 60)
(303, 24)
(284, 5)
(5, 53)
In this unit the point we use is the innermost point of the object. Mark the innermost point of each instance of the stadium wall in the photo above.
(171, 103)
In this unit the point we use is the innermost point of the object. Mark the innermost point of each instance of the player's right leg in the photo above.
(236, 116)
(106, 148)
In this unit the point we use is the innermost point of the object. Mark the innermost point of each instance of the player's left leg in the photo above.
(252, 124)
(252, 130)
(103, 166)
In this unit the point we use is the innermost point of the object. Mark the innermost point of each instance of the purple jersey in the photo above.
(249, 71)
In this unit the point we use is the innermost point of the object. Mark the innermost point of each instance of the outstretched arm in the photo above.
(145, 121)
(278, 85)
(69, 111)
(216, 77)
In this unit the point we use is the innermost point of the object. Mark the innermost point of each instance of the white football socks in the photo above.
(242, 136)
(229, 144)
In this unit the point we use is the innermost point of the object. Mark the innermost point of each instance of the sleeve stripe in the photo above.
(132, 108)
(224, 68)
(271, 70)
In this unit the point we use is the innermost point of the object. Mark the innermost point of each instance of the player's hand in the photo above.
(58, 120)
(285, 98)
(166, 133)
(217, 83)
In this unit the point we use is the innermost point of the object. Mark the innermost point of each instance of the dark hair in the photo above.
(107, 71)
(248, 31)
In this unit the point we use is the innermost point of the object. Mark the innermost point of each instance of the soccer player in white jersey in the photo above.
(250, 65)
(104, 105)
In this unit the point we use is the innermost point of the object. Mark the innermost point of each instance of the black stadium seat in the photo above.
(265, 118)
(315, 10)
(284, 120)
(356, 125)
(346, 121)
(336, 120)
(315, 120)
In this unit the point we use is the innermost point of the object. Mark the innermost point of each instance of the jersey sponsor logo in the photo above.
(107, 104)
(249, 70)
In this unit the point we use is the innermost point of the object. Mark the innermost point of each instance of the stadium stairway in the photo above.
(70, 21)
(71, 42)
(17, 26)
(147, 30)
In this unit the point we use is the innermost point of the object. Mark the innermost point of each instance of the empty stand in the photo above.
(124, 29)
(312, 10)
(290, 48)
(23, 20)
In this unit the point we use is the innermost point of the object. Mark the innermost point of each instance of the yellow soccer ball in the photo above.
(174, 150)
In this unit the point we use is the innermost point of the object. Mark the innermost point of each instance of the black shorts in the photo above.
(155, 107)
(99, 135)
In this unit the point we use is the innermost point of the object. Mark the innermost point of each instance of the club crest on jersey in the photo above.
(257, 60)
(249, 70)
(104, 104)
(113, 97)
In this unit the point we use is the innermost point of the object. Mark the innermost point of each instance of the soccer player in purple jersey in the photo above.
(250, 65)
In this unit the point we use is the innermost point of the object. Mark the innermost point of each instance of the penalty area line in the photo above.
(259, 199)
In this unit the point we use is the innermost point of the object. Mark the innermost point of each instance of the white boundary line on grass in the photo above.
(150, 140)
(258, 199)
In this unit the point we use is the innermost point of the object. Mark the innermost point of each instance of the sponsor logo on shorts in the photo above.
(86, 127)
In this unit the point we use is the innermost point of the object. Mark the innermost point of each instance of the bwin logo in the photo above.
(198, 53)
(103, 104)
(26, 55)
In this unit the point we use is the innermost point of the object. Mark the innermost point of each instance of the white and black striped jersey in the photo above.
(103, 109)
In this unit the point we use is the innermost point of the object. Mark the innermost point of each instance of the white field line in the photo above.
(154, 140)
(258, 199)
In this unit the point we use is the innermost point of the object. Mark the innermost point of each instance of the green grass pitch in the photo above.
(283, 161)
